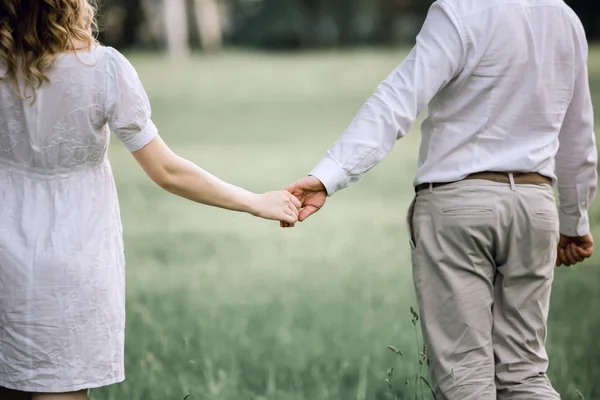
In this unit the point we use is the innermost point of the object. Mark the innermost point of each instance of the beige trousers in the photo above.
(483, 263)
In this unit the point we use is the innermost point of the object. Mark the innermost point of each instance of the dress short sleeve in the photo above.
(127, 106)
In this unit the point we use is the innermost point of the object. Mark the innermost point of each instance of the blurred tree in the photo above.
(209, 19)
(344, 15)
(151, 30)
(119, 22)
(275, 24)
(176, 26)
(589, 12)
(133, 17)
(163, 22)
(400, 20)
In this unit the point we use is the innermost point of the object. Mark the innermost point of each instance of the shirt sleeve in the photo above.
(127, 106)
(577, 160)
(438, 56)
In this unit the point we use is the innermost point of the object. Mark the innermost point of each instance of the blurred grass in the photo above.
(222, 306)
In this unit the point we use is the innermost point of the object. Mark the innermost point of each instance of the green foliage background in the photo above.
(225, 307)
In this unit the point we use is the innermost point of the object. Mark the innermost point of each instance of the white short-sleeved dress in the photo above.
(62, 280)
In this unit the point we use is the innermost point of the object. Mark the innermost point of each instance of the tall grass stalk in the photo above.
(422, 358)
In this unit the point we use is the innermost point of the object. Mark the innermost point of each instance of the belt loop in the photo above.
(431, 188)
(511, 177)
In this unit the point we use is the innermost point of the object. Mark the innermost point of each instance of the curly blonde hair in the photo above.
(34, 32)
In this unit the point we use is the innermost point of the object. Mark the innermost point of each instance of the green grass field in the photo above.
(226, 307)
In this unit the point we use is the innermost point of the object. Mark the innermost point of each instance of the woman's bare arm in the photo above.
(185, 179)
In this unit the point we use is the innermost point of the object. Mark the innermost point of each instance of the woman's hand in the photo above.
(278, 206)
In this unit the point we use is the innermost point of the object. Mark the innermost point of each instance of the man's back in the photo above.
(504, 109)
(506, 82)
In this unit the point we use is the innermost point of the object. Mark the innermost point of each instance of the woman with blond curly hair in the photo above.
(62, 288)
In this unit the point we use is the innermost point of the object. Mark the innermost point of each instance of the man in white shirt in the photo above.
(510, 116)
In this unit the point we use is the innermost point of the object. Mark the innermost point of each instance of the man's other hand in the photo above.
(573, 250)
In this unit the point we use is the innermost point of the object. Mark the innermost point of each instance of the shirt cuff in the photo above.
(331, 175)
(574, 226)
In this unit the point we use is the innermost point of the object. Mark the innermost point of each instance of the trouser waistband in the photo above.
(516, 178)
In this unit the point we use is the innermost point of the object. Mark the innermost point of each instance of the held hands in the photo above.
(296, 203)
(573, 250)
(311, 194)
(278, 206)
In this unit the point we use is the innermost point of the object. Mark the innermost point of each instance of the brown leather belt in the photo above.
(527, 178)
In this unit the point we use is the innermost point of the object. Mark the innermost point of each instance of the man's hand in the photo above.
(573, 250)
(311, 193)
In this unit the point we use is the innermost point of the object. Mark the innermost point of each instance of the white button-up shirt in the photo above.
(506, 85)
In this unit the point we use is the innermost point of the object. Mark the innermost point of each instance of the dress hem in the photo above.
(63, 389)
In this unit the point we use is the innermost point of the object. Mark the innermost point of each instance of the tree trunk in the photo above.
(210, 24)
(346, 10)
(134, 15)
(387, 17)
(176, 28)
(152, 30)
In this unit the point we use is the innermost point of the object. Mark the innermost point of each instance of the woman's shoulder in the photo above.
(99, 54)
(88, 58)
(115, 60)
(110, 52)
